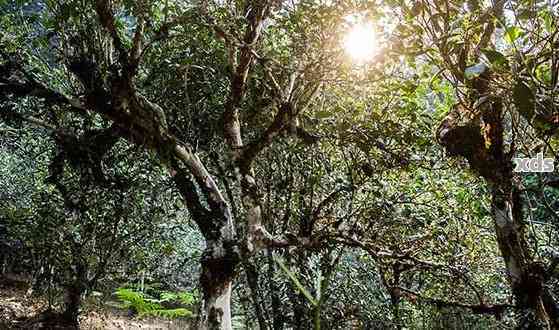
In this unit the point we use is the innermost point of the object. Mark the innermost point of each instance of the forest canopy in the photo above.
(282, 164)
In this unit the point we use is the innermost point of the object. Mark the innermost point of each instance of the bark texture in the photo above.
(481, 142)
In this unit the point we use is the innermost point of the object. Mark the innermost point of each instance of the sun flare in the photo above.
(361, 43)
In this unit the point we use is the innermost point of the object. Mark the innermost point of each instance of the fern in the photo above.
(168, 296)
(186, 298)
(145, 305)
(130, 299)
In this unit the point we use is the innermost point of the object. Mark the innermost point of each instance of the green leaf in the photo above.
(186, 298)
(524, 100)
(543, 73)
(541, 124)
(475, 70)
(496, 58)
(512, 34)
(146, 306)
(67, 11)
(168, 296)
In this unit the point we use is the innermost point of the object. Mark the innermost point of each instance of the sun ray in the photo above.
(361, 43)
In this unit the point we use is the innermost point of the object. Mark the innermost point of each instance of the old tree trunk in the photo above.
(221, 256)
(481, 143)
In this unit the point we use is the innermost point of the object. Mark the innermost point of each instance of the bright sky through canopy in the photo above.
(361, 42)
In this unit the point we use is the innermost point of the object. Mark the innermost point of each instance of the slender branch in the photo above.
(493, 309)
(33, 120)
(252, 150)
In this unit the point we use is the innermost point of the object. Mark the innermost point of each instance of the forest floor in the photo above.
(16, 307)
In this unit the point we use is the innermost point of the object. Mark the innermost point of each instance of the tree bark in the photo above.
(525, 276)
(73, 291)
(219, 263)
(72, 302)
(221, 256)
(216, 280)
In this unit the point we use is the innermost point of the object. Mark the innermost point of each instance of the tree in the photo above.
(104, 67)
(79, 223)
(477, 128)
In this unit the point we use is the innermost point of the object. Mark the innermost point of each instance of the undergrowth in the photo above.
(143, 304)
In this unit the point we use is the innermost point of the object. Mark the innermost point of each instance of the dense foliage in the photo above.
(235, 156)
